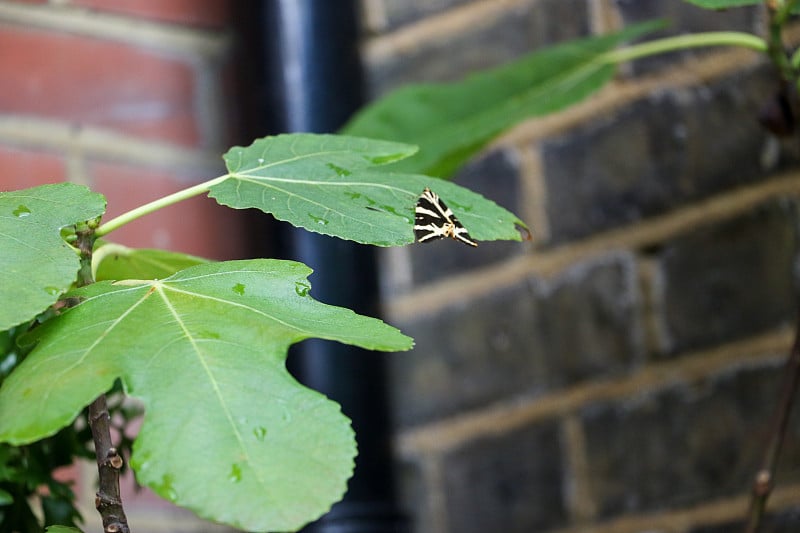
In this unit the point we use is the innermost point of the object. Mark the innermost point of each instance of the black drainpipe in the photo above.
(312, 83)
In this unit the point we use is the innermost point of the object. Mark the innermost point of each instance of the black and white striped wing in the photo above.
(434, 220)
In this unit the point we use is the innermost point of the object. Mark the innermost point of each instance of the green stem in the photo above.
(696, 40)
(778, 16)
(783, 13)
(155, 205)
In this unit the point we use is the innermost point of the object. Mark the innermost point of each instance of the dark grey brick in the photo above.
(499, 40)
(787, 521)
(400, 12)
(687, 444)
(495, 176)
(589, 323)
(655, 155)
(467, 355)
(530, 337)
(511, 483)
(557, 21)
(683, 17)
(730, 280)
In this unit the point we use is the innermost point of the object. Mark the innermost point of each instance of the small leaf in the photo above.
(324, 183)
(227, 431)
(112, 261)
(62, 529)
(36, 265)
(451, 121)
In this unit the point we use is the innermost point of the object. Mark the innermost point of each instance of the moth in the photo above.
(434, 220)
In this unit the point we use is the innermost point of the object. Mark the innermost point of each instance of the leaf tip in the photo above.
(524, 233)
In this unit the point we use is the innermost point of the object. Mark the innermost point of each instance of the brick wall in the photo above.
(127, 97)
(618, 374)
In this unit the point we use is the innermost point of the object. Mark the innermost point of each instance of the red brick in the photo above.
(94, 82)
(201, 13)
(22, 168)
(197, 226)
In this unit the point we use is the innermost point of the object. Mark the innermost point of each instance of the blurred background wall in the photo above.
(619, 374)
(127, 97)
(616, 375)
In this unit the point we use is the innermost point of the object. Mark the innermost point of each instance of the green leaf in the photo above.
(60, 509)
(227, 432)
(112, 261)
(325, 183)
(5, 497)
(452, 121)
(62, 529)
(36, 265)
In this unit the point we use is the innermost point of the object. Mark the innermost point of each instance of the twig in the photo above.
(109, 462)
(765, 477)
(107, 500)
(777, 14)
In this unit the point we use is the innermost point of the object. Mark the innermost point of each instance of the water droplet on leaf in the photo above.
(339, 170)
(260, 160)
(392, 210)
(166, 489)
(235, 474)
(460, 207)
(260, 432)
(319, 220)
(239, 289)
(52, 291)
(302, 288)
(21, 211)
